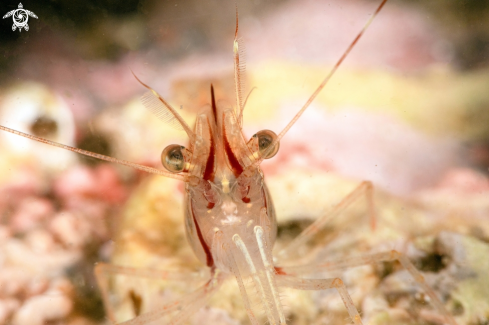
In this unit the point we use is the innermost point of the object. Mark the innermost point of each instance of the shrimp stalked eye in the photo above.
(265, 139)
(173, 158)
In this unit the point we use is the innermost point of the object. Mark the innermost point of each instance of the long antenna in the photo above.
(96, 155)
(325, 81)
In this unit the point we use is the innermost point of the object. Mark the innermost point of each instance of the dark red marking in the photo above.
(279, 270)
(357, 38)
(246, 199)
(380, 7)
(233, 161)
(210, 205)
(207, 251)
(264, 195)
(211, 159)
(213, 101)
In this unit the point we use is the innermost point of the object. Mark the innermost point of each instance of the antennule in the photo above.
(160, 111)
(239, 69)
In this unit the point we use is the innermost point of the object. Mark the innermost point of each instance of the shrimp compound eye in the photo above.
(172, 158)
(265, 139)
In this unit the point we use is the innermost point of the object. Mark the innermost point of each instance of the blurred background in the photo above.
(408, 110)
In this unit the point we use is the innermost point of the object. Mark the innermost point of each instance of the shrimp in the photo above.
(230, 219)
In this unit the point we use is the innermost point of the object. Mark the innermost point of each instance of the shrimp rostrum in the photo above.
(229, 215)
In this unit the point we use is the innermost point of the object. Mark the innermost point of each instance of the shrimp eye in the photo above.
(265, 139)
(172, 158)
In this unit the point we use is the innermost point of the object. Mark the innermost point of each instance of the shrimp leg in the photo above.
(322, 284)
(180, 310)
(370, 259)
(174, 312)
(365, 189)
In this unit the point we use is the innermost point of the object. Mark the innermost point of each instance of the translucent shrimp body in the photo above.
(230, 220)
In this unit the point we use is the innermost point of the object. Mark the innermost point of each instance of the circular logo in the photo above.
(20, 17)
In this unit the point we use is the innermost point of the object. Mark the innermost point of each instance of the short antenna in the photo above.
(163, 110)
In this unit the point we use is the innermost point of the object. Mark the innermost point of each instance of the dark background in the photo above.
(84, 28)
